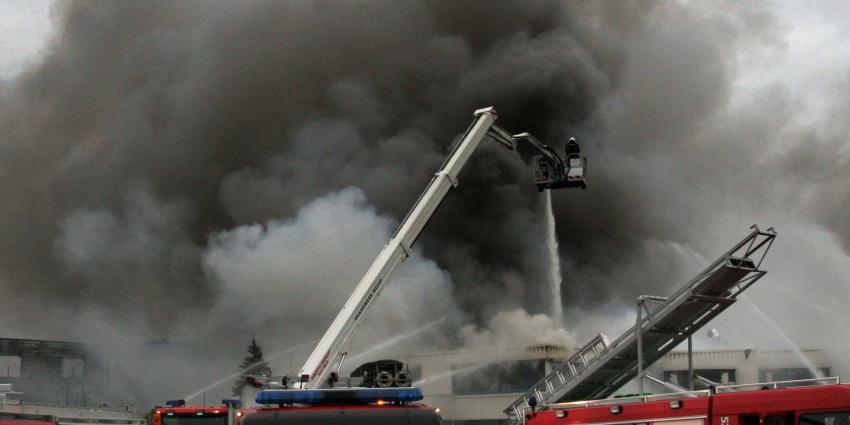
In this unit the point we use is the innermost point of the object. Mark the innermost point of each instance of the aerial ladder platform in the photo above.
(551, 172)
(601, 367)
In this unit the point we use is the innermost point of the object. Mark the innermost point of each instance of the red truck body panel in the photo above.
(209, 411)
(725, 408)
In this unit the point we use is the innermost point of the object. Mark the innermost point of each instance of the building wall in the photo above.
(51, 372)
(748, 364)
(145, 374)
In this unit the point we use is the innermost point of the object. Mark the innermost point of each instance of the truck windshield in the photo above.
(194, 420)
(826, 418)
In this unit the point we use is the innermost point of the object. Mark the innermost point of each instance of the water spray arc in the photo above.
(449, 374)
(389, 342)
(557, 310)
(230, 377)
(797, 351)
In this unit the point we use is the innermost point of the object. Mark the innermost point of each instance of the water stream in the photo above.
(390, 342)
(797, 351)
(557, 309)
(448, 374)
(234, 375)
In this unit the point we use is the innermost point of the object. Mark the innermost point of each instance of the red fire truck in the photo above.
(348, 406)
(175, 412)
(808, 402)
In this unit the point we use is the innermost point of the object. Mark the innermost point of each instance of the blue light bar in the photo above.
(175, 403)
(235, 402)
(340, 396)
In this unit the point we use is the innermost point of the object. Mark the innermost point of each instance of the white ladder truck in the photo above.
(552, 172)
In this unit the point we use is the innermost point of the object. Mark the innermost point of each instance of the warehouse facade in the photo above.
(52, 372)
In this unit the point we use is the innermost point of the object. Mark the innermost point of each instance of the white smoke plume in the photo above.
(292, 276)
(517, 328)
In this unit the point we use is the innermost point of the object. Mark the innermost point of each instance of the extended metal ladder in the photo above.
(598, 369)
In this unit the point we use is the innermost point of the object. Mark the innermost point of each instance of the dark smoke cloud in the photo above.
(148, 128)
(191, 169)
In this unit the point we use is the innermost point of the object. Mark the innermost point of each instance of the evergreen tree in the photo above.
(252, 364)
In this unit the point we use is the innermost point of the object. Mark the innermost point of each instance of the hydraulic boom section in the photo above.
(320, 368)
(551, 171)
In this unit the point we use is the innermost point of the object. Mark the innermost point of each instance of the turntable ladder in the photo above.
(600, 368)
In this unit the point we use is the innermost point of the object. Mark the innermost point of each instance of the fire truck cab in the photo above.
(809, 402)
(175, 412)
(341, 406)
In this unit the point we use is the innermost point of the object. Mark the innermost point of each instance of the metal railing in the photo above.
(630, 399)
(832, 380)
(561, 375)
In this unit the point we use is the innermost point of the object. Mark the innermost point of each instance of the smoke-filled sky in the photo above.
(186, 170)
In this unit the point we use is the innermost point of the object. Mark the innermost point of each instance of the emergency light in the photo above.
(340, 396)
(175, 403)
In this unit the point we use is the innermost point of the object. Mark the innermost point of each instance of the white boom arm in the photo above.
(328, 353)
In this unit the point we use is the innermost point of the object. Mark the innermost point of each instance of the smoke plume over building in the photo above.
(193, 170)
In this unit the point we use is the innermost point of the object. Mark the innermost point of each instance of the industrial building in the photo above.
(473, 387)
(74, 374)
(58, 382)
(729, 367)
(52, 372)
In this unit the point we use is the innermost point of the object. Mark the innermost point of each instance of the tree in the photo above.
(252, 364)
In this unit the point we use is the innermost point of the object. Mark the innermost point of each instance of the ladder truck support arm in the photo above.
(318, 366)
(327, 355)
(545, 149)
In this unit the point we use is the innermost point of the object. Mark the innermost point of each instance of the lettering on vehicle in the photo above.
(322, 365)
(368, 299)
(724, 420)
